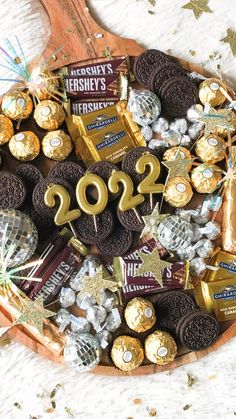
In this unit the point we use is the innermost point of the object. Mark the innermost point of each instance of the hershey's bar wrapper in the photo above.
(115, 66)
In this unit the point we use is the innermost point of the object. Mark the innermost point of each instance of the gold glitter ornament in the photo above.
(34, 313)
(178, 192)
(198, 7)
(46, 84)
(57, 145)
(211, 148)
(24, 146)
(140, 315)
(49, 115)
(172, 153)
(151, 222)
(152, 263)
(17, 105)
(6, 129)
(94, 285)
(206, 177)
(215, 120)
(127, 353)
(178, 167)
(160, 348)
(209, 92)
(231, 40)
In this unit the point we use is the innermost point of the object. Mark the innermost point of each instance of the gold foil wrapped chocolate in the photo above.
(107, 134)
(6, 129)
(218, 297)
(178, 192)
(17, 105)
(140, 315)
(160, 348)
(229, 212)
(49, 115)
(209, 92)
(172, 152)
(57, 145)
(24, 146)
(46, 84)
(127, 353)
(205, 178)
(211, 148)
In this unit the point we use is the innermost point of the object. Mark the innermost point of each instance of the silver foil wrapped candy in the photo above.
(82, 351)
(113, 320)
(88, 267)
(160, 125)
(197, 267)
(96, 315)
(104, 338)
(109, 300)
(67, 297)
(204, 248)
(79, 324)
(147, 132)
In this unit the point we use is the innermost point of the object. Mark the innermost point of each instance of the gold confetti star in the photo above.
(214, 119)
(151, 222)
(198, 7)
(231, 40)
(152, 263)
(178, 167)
(34, 313)
(94, 285)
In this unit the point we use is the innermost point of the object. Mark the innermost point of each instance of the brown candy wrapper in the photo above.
(10, 301)
(229, 213)
(115, 66)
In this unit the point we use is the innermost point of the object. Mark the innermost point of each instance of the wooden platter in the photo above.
(82, 39)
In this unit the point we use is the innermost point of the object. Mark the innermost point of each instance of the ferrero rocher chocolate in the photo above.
(205, 178)
(211, 149)
(17, 105)
(6, 129)
(24, 146)
(57, 145)
(140, 315)
(209, 92)
(160, 348)
(127, 353)
(172, 152)
(49, 115)
(178, 192)
(46, 83)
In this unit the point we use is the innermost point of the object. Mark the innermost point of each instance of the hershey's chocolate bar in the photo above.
(130, 291)
(82, 107)
(115, 66)
(111, 86)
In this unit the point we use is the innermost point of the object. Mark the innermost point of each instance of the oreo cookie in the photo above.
(163, 73)
(129, 162)
(198, 330)
(69, 171)
(86, 229)
(45, 226)
(146, 63)
(178, 94)
(118, 243)
(104, 170)
(130, 219)
(13, 191)
(30, 176)
(171, 307)
(38, 196)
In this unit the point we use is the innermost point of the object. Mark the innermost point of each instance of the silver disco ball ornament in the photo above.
(18, 235)
(175, 233)
(145, 106)
(82, 351)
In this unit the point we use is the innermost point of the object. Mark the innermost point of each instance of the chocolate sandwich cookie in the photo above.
(118, 243)
(13, 191)
(163, 73)
(39, 192)
(89, 233)
(30, 176)
(104, 170)
(69, 171)
(130, 160)
(146, 63)
(198, 330)
(171, 307)
(45, 226)
(178, 94)
(130, 219)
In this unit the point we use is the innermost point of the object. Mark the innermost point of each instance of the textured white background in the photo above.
(25, 374)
